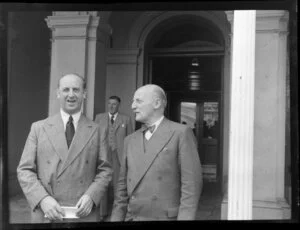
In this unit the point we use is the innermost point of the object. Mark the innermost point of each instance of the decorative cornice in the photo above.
(274, 21)
(268, 21)
(73, 26)
(122, 56)
(67, 21)
(68, 13)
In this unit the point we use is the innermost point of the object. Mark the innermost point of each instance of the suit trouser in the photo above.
(106, 203)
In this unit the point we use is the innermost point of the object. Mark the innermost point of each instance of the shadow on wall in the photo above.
(28, 81)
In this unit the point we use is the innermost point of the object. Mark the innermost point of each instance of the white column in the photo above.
(75, 43)
(241, 117)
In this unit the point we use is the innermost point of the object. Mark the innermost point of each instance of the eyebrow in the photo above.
(75, 87)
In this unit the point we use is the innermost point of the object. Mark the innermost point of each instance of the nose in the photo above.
(71, 93)
(133, 105)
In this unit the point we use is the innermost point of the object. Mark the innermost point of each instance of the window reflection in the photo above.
(188, 114)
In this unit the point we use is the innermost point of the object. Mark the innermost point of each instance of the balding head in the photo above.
(157, 93)
(149, 103)
(73, 75)
(71, 93)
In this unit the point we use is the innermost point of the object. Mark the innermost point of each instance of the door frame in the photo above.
(195, 52)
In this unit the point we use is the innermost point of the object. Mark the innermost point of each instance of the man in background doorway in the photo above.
(117, 126)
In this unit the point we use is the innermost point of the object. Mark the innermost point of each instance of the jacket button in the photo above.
(133, 197)
(154, 197)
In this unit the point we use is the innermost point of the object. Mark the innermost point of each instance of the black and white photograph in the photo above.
(115, 114)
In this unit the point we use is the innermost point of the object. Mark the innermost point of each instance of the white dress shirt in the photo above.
(115, 116)
(65, 117)
(148, 134)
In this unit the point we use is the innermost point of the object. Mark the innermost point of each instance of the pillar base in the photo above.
(263, 210)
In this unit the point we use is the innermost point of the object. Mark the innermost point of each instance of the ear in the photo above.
(84, 94)
(157, 103)
(57, 93)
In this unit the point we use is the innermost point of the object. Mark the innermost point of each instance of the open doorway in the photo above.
(193, 87)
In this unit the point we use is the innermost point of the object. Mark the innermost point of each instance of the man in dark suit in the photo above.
(116, 127)
(160, 177)
(63, 160)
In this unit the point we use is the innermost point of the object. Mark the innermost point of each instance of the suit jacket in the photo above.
(48, 167)
(122, 128)
(164, 183)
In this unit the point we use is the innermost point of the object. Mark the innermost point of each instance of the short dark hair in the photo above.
(76, 74)
(115, 98)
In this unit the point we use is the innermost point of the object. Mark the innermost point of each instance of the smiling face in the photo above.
(113, 106)
(71, 93)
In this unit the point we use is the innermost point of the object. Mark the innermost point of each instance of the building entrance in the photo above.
(193, 87)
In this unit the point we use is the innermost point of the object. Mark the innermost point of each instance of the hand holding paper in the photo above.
(84, 205)
(51, 208)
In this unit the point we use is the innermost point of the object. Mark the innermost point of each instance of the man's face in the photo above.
(71, 93)
(143, 105)
(113, 106)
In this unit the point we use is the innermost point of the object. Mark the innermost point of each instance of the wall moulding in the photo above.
(268, 21)
(73, 27)
(123, 56)
(68, 13)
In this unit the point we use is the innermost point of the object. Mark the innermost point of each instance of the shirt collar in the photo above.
(157, 123)
(65, 117)
(115, 115)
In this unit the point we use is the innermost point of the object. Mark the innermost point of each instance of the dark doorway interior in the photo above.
(193, 88)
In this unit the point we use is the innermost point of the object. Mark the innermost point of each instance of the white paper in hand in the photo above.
(70, 212)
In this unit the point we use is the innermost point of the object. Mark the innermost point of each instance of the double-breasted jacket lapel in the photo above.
(158, 141)
(55, 130)
(84, 131)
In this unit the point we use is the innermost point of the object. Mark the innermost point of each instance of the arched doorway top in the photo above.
(147, 21)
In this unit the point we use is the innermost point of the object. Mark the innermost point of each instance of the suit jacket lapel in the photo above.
(137, 153)
(84, 131)
(157, 142)
(56, 133)
(118, 122)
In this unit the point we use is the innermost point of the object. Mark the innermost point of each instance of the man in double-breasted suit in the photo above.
(63, 161)
(160, 177)
(116, 127)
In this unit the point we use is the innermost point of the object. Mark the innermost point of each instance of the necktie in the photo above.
(112, 119)
(70, 130)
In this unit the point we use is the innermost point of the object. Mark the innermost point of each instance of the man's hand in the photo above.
(51, 208)
(84, 205)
